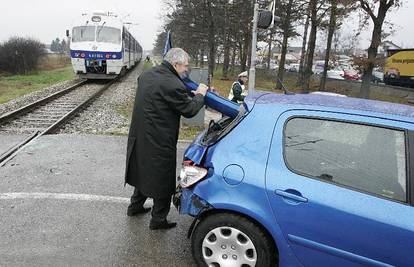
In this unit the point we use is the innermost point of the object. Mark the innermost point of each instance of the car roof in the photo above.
(326, 101)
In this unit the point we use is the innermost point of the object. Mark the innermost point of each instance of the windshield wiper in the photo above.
(99, 30)
(84, 28)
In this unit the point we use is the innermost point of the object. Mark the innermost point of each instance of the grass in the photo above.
(189, 132)
(14, 86)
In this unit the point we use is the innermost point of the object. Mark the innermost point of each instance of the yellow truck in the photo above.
(399, 67)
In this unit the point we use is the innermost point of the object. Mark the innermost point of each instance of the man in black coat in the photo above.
(160, 100)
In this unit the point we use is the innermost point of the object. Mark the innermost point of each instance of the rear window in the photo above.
(367, 158)
(217, 130)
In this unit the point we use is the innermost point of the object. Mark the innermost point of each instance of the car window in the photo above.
(363, 157)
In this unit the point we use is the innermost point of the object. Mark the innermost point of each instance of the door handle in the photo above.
(292, 195)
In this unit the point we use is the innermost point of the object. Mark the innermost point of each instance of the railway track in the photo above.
(48, 114)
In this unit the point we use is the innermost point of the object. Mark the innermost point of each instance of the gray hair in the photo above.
(176, 55)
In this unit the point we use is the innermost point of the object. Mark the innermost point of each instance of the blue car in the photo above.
(302, 180)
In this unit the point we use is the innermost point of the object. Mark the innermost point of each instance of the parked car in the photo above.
(302, 180)
(350, 74)
(318, 67)
(294, 67)
(377, 76)
(336, 74)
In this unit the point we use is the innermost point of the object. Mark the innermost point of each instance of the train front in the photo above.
(96, 46)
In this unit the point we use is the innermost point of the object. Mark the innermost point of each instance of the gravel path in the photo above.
(102, 116)
(34, 96)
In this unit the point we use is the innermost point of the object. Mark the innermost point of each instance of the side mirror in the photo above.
(67, 33)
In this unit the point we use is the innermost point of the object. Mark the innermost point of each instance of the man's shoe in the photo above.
(161, 225)
(134, 210)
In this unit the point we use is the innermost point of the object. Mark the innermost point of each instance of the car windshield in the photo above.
(83, 34)
(108, 35)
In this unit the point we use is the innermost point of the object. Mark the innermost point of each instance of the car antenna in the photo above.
(285, 90)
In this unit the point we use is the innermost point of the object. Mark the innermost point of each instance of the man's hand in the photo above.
(202, 89)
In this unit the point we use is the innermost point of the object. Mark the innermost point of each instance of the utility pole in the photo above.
(252, 71)
(267, 20)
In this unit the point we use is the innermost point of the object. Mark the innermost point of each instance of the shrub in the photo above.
(20, 55)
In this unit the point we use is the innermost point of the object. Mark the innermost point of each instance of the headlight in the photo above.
(190, 175)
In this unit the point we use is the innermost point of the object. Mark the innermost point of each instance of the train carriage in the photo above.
(101, 47)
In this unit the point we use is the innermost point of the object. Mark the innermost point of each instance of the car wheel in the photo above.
(230, 240)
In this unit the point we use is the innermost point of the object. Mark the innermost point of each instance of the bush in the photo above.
(20, 55)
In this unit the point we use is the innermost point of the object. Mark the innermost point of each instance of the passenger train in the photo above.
(101, 47)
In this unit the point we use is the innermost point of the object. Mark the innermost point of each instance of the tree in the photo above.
(55, 46)
(290, 12)
(314, 7)
(337, 13)
(369, 7)
(20, 55)
(303, 51)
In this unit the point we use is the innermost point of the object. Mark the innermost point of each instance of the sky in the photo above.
(403, 19)
(45, 20)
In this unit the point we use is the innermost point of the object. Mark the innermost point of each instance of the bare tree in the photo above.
(336, 15)
(369, 7)
(303, 51)
(289, 12)
(315, 18)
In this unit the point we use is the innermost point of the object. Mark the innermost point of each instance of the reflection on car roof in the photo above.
(331, 102)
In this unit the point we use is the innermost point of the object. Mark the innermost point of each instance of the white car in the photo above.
(337, 74)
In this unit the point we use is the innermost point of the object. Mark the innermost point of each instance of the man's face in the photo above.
(181, 69)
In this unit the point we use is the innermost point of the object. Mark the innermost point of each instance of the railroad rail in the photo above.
(47, 115)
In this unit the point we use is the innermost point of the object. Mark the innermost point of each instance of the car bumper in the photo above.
(189, 203)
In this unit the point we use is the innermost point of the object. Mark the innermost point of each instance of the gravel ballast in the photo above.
(35, 96)
(103, 116)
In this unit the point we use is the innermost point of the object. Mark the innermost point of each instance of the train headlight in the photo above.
(96, 19)
(113, 56)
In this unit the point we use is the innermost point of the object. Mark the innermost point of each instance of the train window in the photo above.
(83, 34)
(108, 35)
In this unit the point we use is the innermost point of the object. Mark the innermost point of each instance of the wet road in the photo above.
(63, 203)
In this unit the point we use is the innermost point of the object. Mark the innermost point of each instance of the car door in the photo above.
(339, 188)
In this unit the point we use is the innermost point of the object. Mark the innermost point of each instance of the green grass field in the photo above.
(14, 86)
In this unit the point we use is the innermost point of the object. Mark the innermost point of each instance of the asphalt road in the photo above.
(63, 203)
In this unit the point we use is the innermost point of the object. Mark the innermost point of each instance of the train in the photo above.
(101, 47)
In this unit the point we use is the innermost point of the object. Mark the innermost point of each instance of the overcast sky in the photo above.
(48, 19)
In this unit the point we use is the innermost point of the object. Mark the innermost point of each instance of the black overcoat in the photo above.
(160, 100)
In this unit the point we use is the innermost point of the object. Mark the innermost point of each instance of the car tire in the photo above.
(227, 239)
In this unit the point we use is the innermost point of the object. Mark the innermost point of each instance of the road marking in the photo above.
(79, 197)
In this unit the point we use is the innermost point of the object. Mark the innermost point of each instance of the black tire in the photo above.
(266, 253)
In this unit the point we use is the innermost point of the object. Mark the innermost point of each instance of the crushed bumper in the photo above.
(189, 203)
